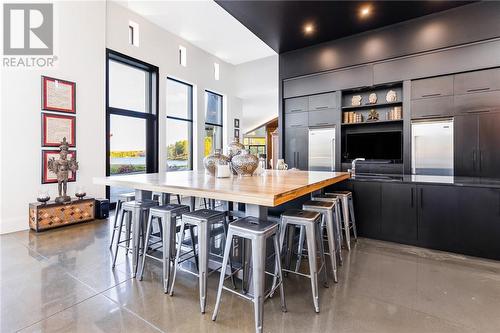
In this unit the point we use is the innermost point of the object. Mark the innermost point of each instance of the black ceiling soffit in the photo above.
(281, 24)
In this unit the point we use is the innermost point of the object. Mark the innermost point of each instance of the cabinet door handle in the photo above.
(318, 124)
(421, 197)
(474, 159)
(431, 95)
(321, 107)
(480, 160)
(478, 89)
(478, 111)
(297, 165)
(411, 197)
(295, 110)
(298, 125)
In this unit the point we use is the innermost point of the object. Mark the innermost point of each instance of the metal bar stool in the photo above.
(125, 197)
(257, 232)
(311, 222)
(327, 220)
(336, 217)
(130, 208)
(166, 216)
(347, 215)
(203, 220)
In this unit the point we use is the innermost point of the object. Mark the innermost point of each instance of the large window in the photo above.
(179, 125)
(213, 122)
(131, 104)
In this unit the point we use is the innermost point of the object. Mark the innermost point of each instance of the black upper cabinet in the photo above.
(398, 221)
(323, 117)
(433, 87)
(432, 107)
(367, 207)
(478, 81)
(299, 119)
(465, 145)
(322, 101)
(477, 102)
(489, 144)
(298, 104)
(477, 142)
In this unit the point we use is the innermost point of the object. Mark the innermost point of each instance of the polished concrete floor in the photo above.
(61, 281)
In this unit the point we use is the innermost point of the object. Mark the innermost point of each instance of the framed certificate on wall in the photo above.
(55, 127)
(58, 95)
(48, 176)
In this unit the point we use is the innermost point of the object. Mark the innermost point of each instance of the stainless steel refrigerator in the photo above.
(322, 149)
(432, 147)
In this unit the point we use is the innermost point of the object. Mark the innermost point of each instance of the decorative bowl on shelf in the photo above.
(211, 161)
(43, 196)
(245, 163)
(80, 192)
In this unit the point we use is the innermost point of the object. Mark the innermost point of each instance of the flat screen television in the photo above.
(374, 146)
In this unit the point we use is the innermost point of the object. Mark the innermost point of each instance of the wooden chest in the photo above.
(53, 214)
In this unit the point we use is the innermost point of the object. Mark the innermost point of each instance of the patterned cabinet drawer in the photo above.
(52, 215)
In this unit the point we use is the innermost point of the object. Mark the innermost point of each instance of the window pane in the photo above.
(213, 138)
(128, 87)
(127, 148)
(213, 109)
(178, 145)
(179, 99)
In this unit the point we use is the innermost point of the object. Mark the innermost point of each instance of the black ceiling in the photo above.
(280, 24)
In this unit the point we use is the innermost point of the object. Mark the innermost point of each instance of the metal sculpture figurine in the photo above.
(61, 168)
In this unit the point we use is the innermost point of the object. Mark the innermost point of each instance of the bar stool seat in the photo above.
(167, 216)
(326, 209)
(257, 231)
(347, 214)
(310, 221)
(202, 219)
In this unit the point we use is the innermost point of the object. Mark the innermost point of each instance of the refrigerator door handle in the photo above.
(332, 158)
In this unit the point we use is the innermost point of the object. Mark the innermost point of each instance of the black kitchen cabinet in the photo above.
(398, 221)
(296, 147)
(432, 87)
(479, 231)
(477, 81)
(438, 222)
(298, 104)
(432, 107)
(465, 145)
(324, 117)
(476, 145)
(489, 144)
(478, 102)
(367, 207)
(322, 101)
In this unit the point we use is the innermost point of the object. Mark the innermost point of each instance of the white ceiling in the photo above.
(206, 25)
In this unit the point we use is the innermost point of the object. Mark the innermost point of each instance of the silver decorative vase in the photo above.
(245, 163)
(210, 162)
(234, 149)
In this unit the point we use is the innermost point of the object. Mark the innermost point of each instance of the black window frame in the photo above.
(221, 125)
(189, 120)
(151, 116)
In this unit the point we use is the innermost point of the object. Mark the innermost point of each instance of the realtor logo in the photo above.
(28, 29)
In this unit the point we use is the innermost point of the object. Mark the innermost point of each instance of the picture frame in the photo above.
(236, 133)
(49, 177)
(58, 95)
(55, 127)
(236, 123)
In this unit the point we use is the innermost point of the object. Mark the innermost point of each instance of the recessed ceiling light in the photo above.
(365, 11)
(308, 28)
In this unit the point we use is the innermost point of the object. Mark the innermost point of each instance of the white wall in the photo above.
(257, 86)
(160, 48)
(80, 41)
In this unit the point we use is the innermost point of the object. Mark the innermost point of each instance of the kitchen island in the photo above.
(258, 193)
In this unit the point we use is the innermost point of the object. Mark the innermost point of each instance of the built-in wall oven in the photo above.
(432, 147)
